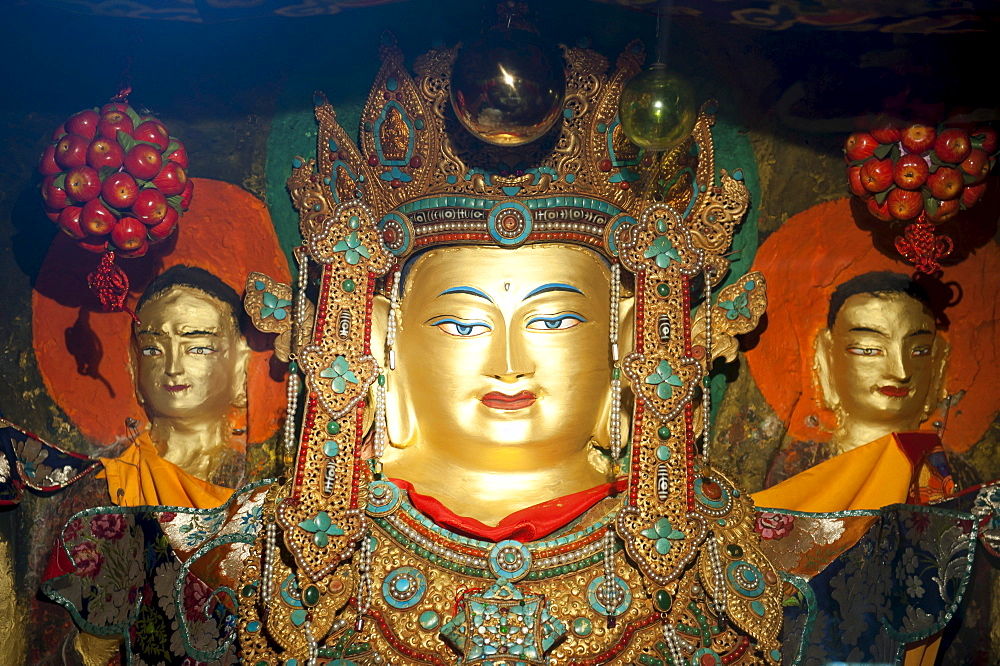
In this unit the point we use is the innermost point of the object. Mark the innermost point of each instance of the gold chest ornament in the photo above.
(346, 570)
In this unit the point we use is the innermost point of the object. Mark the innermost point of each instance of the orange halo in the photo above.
(805, 261)
(83, 353)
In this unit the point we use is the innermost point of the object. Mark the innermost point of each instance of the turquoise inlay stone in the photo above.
(297, 163)
(567, 113)
(570, 177)
(331, 448)
(750, 285)
(661, 225)
(511, 191)
(776, 655)
(391, 84)
(326, 180)
(402, 584)
(259, 285)
(738, 174)
(721, 522)
(602, 128)
(757, 607)
(663, 453)
(419, 123)
(429, 620)
(333, 427)
(333, 145)
(292, 662)
(354, 222)
(317, 207)
(298, 617)
(253, 626)
(582, 626)
(736, 493)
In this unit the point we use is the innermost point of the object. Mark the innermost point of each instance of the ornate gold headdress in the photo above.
(675, 569)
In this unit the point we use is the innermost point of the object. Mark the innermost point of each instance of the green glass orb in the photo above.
(657, 109)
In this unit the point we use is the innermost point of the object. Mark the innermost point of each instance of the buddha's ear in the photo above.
(241, 367)
(823, 368)
(937, 392)
(133, 368)
(380, 325)
(626, 326)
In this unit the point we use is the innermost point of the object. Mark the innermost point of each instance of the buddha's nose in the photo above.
(174, 364)
(898, 362)
(512, 362)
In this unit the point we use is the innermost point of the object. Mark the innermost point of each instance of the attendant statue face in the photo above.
(503, 371)
(190, 358)
(880, 361)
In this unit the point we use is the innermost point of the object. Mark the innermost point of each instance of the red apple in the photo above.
(83, 123)
(945, 183)
(71, 151)
(47, 162)
(51, 213)
(150, 206)
(154, 132)
(96, 244)
(59, 132)
(876, 174)
(82, 184)
(854, 181)
(120, 190)
(179, 155)
(945, 211)
(137, 252)
(96, 218)
(69, 221)
(187, 194)
(128, 234)
(910, 171)
(164, 228)
(171, 180)
(918, 138)
(885, 129)
(904, 204)
(880, 210)
(112, 122)
(986, 138)
(114, 106)
(143, 161)
(977, 165)
(972, 194)
(952, 145)
(105, 152)
(52, 195)
(859, 146)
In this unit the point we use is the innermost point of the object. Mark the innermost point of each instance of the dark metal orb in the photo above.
(508, 88)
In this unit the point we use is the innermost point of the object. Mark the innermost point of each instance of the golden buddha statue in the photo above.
(189, 362)
(498, 458)
(880, 365)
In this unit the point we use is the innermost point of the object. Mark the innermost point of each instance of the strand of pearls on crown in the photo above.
(292, 388)
(706, 405)
(390, 335)
(313, 649)
(616, 382)
(270, 552)
(717, 577)
(673, 644)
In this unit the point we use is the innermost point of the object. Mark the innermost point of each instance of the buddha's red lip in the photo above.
(894, 391)
(177, 387)
(497, 400)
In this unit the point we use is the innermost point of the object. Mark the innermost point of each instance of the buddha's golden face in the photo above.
(190, 358)
(501, 349)
(882, 360)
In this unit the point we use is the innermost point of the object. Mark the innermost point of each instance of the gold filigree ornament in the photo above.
(668, 571)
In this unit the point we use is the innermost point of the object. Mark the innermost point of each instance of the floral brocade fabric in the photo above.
(859, 585)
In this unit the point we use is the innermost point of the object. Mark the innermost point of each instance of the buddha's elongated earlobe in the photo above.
(393, 421)
(823, 369)
(937, 392)
(242, 351)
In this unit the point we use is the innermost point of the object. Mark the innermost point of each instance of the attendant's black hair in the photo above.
(875, 282)
(196, 278)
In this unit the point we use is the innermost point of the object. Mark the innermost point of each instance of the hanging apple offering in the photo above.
(901, 171)
(115, 180)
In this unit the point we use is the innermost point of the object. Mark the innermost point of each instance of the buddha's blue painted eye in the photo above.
(557, 323)
(462, 329)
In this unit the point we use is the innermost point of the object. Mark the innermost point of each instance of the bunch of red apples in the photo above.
(901, 171)
(115, 180)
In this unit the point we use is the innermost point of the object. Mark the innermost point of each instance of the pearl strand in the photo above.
(673, 645)
(610, 594)
(616, 382)
(292, 387)
(267, 577)
(381, 437)
(390, 336)
(706, 405)
(717, 578)
(364, 595)
(313, 648)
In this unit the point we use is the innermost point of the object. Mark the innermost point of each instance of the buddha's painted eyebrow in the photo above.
(471, 291)
(552, 286)
(186, 334)
(866, 329)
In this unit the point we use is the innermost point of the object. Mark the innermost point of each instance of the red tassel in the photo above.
(922, 247)
(110, 284)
